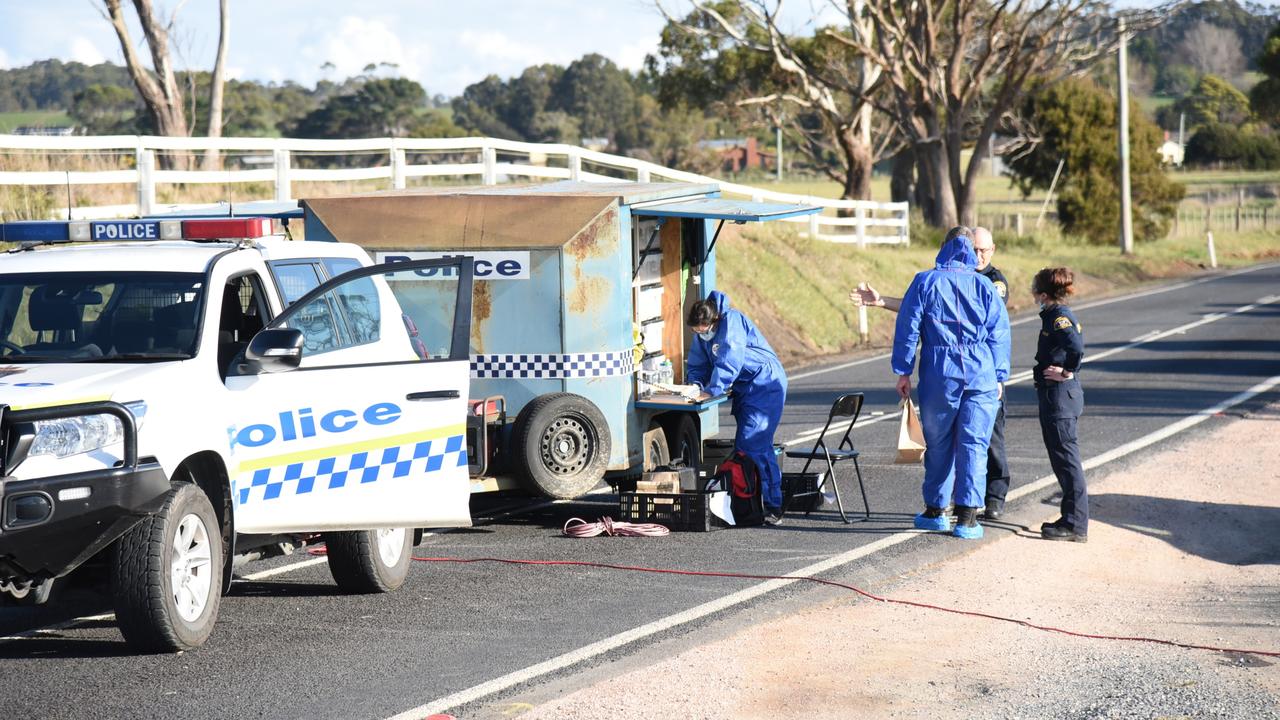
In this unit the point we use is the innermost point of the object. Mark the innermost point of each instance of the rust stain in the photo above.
(587, 242)
(481, 310)
(588, 294)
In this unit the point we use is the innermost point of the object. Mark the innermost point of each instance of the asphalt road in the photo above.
(468, 638)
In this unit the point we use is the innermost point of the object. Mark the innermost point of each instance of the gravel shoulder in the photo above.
(1184, 545)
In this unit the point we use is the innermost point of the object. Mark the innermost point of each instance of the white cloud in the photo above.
(355, 42)
(631, 56)
(83, 50)
(496, 45)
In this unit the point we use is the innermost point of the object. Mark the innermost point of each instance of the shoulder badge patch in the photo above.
(1062, 323)
(1002, 288)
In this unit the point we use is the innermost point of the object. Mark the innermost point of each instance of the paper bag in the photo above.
(910, 436)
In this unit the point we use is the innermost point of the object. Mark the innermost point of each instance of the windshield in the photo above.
(99, 316)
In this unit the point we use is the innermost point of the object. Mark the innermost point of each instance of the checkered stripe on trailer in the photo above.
(553, 365)
(335, 473)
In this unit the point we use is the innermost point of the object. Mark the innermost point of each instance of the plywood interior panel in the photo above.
(673, 323)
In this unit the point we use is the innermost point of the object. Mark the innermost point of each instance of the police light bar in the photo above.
(110, 230)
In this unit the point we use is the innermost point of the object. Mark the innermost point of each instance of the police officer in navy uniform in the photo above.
(997, 463)
(1057, 380)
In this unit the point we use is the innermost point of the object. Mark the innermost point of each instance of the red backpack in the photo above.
(738, 475)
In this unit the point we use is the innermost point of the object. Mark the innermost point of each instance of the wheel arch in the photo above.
(208, 471)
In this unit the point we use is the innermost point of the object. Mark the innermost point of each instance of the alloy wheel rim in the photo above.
(191, 572)
(390, 545)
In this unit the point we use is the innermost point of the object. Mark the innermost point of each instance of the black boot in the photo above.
(967, 526)
(993, 511)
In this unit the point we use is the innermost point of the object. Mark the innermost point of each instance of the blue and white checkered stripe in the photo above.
(553, 365)
(336, 473)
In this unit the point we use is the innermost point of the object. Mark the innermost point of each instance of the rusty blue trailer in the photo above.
(577, 287)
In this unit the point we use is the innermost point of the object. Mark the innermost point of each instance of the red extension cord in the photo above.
(820, 581)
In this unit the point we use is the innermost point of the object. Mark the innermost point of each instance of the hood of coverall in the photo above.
(721, 300)
(957, 253)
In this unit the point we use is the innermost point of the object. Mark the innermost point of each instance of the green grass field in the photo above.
(797, 289)
(11, 121)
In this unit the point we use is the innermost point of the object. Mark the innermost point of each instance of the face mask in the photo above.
(708, 334)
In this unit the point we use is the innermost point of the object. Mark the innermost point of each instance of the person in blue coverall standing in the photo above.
(729, 353)
(959, 320)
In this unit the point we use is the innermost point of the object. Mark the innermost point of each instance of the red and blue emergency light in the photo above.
(111, 230)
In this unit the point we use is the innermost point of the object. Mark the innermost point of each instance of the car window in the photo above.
(359, 302)
(99, 316)
(337, 266)
(295, 280)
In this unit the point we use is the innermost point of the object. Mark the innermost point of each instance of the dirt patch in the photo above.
(1184, 545)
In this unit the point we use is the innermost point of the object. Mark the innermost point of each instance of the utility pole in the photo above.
(1126, 208)
(778, 147)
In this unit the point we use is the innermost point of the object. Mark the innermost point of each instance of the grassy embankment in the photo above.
(796, 289)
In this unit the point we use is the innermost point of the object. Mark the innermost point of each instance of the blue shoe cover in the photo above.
(941, 523)
(968, 533)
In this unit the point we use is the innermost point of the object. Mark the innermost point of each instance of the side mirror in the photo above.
(274, 350)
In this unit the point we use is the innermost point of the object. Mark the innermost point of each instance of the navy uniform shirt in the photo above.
(997, 278)
(1061, 344)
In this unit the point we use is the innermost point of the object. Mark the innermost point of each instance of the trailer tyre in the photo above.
(562, 444)
(369, 561)
(683, 438)
(167, 574)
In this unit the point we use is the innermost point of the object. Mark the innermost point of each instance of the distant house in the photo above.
(44, 130)
(598, 144)
(736, 154)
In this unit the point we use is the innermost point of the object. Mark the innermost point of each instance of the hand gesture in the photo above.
(864, 294)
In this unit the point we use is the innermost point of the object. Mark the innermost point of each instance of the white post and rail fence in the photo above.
(462, 160)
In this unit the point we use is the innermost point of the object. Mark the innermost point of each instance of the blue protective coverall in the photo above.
(739, 358)
(959, 319)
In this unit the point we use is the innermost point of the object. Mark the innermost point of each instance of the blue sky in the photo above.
(443, 44)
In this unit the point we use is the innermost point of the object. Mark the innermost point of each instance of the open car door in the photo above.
(366, 429)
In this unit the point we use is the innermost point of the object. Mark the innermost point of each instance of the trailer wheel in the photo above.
(167, 574)
(683, 438)
(657, 452)
(369, 561)
(562, 444)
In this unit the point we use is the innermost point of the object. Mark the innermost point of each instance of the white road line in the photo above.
(28, 634)
(812, 434)
(1082, 306)
(609, 644)
(284, 569)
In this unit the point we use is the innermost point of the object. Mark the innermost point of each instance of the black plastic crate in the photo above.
(794, 483)
(678, 511)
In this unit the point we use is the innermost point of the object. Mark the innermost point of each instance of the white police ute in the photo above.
(176, 393)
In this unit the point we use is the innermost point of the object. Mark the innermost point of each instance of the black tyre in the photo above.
(656, 452)
(683, 438)
(370, 561)
(562, 444)
(167, 574)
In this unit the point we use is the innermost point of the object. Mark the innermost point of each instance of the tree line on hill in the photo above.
(726, 69)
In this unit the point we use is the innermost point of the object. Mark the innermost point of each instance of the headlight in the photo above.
(64, 437)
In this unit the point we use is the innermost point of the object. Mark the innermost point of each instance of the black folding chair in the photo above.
(848, 405)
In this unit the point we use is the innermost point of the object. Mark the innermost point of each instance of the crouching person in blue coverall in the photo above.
(730, 353)
(959, 320)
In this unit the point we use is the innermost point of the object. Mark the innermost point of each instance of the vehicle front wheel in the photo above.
(370, 561)
(167, 574)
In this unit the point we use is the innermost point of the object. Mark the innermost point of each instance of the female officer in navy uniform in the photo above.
(1058, 357)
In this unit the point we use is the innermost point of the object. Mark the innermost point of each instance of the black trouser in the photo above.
(1064, 455)
(997, 463)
